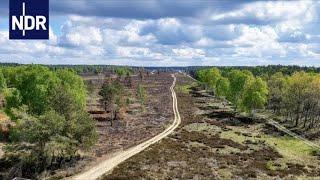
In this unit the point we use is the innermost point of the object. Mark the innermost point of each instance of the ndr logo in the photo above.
(29, 19)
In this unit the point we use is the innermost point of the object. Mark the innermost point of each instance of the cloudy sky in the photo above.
(172, 33)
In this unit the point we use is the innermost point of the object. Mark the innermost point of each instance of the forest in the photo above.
(295, 96)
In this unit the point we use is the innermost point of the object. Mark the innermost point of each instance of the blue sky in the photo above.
(172, 33)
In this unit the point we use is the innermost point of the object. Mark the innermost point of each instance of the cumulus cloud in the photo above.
(172, 31)
(189, 53)
(151, 9)
(262, 13)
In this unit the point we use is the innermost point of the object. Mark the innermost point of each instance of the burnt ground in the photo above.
(214, 142)
(136, 123)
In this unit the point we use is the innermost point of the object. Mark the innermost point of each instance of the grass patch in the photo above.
(202, 127)
(185, 88)
(225, 173)
(233, 136)
(274, 166)
(292, 149)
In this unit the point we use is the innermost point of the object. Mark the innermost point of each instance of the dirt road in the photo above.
(109, 164)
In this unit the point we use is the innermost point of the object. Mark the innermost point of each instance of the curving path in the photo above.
(107, 165)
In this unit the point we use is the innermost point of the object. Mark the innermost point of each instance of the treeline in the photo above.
(255, 70)
(245, 91)
(262, 71)
(81, 69)
(296, 97)
(50, 123)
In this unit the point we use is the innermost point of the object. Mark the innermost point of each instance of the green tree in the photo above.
(63, 103)
(298, 85)
(13, 100)
(255, 95)
(142, 95)
(223, 87)
(37, 132)
(74, 85)
(112, 97)
(238, 82)
(209, 77)
(277, 87)
(3, 83)
(51, 137)
(35, 84)
(312, 104)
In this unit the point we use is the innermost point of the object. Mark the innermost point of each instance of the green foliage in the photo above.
(295, 96)
(39, 130)
(238, 82)
(3, 83)
(13, 100)
(112, 93)
(37, 85)
(141, 93)
(74, 85)
(34, 82)
(240, 87)
(83, 130)
(123, 71)
(209, 76)
(49, 109)
(271, 165)
(223, 87)
(9, 74)
(255, 95)
(63, 103)
(277, 85)
(51, 136)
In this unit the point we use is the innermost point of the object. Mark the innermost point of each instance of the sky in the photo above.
(172, 33)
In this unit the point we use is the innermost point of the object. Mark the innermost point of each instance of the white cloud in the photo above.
(189, 53)
(253, 34)
(267, 12)
(170, 31)
(138, 52)
(80, 35)
(259, 42)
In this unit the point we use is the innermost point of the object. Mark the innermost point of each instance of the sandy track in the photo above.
(107, 165)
